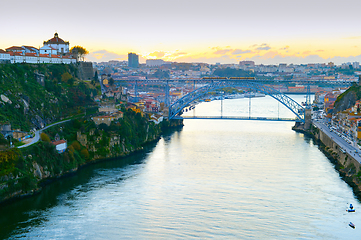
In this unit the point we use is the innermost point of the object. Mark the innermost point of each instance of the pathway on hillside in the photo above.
(38, 132)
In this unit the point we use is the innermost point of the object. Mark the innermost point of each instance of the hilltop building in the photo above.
(55, 50)
(57, 44)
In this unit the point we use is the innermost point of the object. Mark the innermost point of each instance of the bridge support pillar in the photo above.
(308, 118)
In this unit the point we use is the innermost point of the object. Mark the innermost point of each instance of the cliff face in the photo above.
(348, 98)
(34, 95)
(23, 171)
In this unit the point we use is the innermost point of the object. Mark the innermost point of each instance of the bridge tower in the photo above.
(167, 100)
(308, 118)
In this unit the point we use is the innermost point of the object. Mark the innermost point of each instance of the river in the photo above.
(218, 179)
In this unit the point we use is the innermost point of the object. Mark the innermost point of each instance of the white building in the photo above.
(57, 43)
(154, 62)
(48, 50)
(55, 50)
(60, 145)
(16, 57)
(4, 56)
(356, 65)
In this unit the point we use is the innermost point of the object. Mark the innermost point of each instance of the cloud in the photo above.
(176, 54)
(240, 51)
(104, 56)
(156, 54)
(167, 56)
(223, 51)
(227, 50)
(261, 47)
(285, 48)
(320, 50)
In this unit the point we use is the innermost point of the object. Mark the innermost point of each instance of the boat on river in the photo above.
(352, 225)
(351, 209)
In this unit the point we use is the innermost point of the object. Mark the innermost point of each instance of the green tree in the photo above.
(65, 77)
(44, 137)
(79, 51)
(111, 81)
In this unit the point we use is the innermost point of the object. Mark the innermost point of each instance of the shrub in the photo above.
(44, 137)
(76, 145)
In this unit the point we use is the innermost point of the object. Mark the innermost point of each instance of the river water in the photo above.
(219, 179)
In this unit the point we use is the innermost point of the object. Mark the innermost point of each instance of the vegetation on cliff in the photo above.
(23, 171)
(33, 95)
(348, 99)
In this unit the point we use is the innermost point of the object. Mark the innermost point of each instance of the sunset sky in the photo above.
(228, 31)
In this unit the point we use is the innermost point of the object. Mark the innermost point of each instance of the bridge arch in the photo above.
(176, 107)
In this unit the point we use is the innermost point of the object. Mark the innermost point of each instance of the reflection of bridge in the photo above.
(210, 84)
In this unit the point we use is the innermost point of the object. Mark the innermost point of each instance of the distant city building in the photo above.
(154, 62)
(133, 60)
(331, 64)
(57, 43)
(247, 63)
(356, 65)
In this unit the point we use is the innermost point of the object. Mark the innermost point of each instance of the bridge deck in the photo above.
(237, 118)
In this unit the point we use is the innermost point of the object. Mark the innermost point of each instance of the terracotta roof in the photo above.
(58, 142)
(30, 47)
(14, 48)
(30, 54)
(56, 39)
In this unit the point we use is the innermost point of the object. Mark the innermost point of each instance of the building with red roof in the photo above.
(60, 145)
(57, 43)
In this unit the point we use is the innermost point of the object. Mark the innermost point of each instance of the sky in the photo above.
(212, 31)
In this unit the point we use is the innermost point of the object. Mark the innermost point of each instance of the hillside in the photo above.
(34, 95)
(348, 98)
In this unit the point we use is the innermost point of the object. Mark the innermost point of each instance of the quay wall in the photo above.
(345, 159)
(345, 163)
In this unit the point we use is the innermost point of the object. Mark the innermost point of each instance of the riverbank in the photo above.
(25, 171)
(344, 162)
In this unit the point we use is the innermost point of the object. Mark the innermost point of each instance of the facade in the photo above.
(247, 63)
(35, 58)
(60, 145)
(107, 119)
(133, 60)
(57, 43)
(55, 51)
(4, 56)
(154, 62)
(48, 50)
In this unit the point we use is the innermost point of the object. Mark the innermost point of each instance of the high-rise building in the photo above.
(133, 60)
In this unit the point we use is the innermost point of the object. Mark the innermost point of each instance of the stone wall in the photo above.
(345, 159)
(85, 70)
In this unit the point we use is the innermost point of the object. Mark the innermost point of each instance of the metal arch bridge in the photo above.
(291, 104)
(214, 83)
